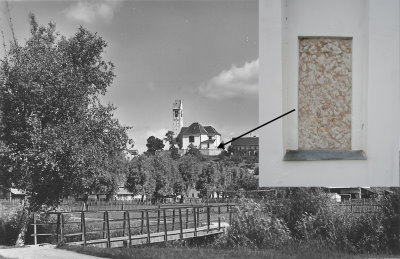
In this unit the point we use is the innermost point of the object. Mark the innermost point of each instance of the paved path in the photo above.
(42, 252)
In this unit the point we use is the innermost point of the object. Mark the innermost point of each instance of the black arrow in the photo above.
(223, 144)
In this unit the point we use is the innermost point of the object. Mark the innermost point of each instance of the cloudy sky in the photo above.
(203, 52)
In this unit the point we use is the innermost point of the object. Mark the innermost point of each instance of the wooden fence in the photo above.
(130, 227)
(357, 207)
(119, 205)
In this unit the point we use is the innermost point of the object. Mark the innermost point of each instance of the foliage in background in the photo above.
(162, 175)
(153, 145)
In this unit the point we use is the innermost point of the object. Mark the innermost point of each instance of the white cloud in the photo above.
(92, 11)
(237, 81)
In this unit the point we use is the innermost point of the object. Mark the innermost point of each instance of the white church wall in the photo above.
(374, 28)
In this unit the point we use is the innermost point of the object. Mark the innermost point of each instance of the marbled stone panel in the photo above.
(325, 83)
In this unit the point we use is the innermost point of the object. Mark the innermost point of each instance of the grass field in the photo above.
(197, 253)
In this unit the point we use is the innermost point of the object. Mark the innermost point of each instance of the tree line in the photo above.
(158, 173)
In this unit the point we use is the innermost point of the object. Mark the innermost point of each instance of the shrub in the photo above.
(252, 227)
(297, 204)
(10, 224)
(391, 220)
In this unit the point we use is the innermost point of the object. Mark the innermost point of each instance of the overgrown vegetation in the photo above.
(305, 217)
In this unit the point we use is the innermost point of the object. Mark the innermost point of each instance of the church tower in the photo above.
(177, 116)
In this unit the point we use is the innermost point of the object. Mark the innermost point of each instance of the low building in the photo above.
(130, 153)
(352, 193)
(205, 138)
(193, 193)
(245, 146)
(12, 194)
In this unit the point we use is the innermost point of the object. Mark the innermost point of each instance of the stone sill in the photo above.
(323, 154)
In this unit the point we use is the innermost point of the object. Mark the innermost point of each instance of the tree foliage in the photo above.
(153, 145)
(60, 139)
(169, 137)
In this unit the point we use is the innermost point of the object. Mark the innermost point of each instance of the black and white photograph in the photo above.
(199, 129)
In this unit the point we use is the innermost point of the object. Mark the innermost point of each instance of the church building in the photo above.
(205, 138)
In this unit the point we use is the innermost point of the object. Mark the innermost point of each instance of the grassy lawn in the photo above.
(196, 253)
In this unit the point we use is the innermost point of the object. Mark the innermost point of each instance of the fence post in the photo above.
(142, 223)
(219, 218)
(158, 219)
(83, 228)
(230, 215)
(58, 227)
(129, 228)
(173, 219)
(124, 224)
(208, 219)
(165, 226)
(108, 230)
(195, 221)
(104, 225)
(148, 227)
(198, 216)
(62, 228)
(187, 217)
(34, 228)
(180, 223)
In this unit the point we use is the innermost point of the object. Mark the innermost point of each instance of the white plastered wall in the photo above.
(374, 27)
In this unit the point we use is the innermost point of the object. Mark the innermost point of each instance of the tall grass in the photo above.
(306, 219)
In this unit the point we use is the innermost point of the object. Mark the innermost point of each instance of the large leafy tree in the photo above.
(208, 179)
(60, 140)
(189, 168)
(140, 178)
(153, 145)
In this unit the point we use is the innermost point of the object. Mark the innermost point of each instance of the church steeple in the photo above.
(177, 116)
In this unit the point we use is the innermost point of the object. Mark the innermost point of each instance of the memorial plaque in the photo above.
(324, 96)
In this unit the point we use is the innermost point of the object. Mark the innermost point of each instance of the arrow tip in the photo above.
(222, 145)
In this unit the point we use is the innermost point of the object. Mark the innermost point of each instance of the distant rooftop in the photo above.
(246, 141)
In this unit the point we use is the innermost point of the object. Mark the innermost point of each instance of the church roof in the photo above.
(197, 129)
(211, 130)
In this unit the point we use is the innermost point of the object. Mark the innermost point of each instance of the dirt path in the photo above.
(42, 252)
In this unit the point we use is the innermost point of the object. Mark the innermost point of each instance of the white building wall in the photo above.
(217, 140)
(198, 139)
(374, 26)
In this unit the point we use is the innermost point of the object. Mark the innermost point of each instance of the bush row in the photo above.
(306, 217)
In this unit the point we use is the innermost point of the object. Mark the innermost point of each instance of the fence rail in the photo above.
(130, 227)
(357, 207)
